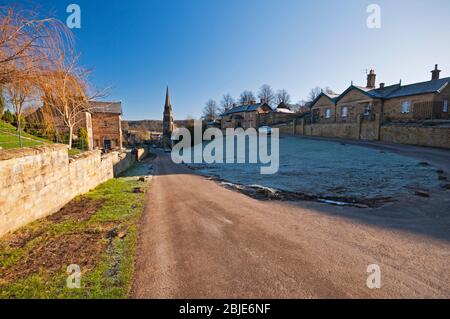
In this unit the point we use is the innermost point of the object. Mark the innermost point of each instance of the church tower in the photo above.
(168, 117)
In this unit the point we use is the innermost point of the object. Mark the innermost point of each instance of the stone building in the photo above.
(102, 122)
(106, 125)
(245, 116)
(414, 102)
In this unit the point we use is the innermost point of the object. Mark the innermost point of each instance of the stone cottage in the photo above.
(245, 116)
(414, 102)
(106, 125)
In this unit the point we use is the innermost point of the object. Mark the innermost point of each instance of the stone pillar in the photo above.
(378, 118)
(359, 125)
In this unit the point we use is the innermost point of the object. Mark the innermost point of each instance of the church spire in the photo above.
(168, 98)
(168, 124)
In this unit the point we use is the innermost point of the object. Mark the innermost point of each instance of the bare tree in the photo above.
(247, 97)
(66, 91)
(226, 103)
(211, 111)
(20, 93)
(315, 92)
(266, 94)
(283, 97)
(27, 42)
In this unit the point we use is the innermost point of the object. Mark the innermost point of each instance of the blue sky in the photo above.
(205, 48)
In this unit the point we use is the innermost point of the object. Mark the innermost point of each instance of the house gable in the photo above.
(323, 101)
(355, 94)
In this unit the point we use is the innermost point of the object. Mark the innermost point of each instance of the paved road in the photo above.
(199, 240)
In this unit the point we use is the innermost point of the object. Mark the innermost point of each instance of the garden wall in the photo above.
(373, 131)
(424, 136)
(36, 182)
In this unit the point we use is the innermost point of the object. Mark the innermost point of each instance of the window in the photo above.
(344, 111)
(445, 106)
(327, 113)
(406, 107)
(367, 110)
(105, 123)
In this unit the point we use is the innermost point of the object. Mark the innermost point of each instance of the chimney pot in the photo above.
(382, 85)
(371, 78)
(435, 74)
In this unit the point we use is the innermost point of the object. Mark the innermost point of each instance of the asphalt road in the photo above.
(200, 240)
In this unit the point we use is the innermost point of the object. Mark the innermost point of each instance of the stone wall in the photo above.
(36, 182)
(424, 136)
(107, 127)
(123, 161)
(373, 131)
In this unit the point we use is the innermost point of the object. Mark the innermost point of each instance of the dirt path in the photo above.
(199, 240)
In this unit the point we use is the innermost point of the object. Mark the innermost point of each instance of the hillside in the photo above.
(9, 137)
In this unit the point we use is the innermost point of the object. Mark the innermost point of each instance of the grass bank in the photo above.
(9, 138)
(97, 231)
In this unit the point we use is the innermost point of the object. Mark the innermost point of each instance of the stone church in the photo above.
(168, 123)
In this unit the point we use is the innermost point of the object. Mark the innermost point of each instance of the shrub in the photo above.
(82, 141)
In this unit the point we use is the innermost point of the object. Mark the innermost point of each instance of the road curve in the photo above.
(199, 240)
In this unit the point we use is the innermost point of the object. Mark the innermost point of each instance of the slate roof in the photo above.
(397, 90)
(107, 107)
(433, 86)
(394, 91)
(244, 108)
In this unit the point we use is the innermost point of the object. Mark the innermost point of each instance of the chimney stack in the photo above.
(382, 85)
(435, 73)
(371, 77)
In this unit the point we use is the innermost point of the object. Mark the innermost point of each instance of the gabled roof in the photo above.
(331, 96)
(397, 90)
(246, 108)
(433, 86)
(369, 92)
(106, 107)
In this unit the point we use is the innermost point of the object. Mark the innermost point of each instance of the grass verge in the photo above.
(97, 231)
(9, 138)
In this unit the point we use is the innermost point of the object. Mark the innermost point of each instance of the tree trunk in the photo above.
(70, 137)
(19, 128)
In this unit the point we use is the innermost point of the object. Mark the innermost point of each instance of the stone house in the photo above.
(245, 116)
(102, 122)
(106, 125)
(414, 102)
(324, 108)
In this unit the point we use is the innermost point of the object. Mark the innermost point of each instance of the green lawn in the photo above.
(9, 138)
(97, 231)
